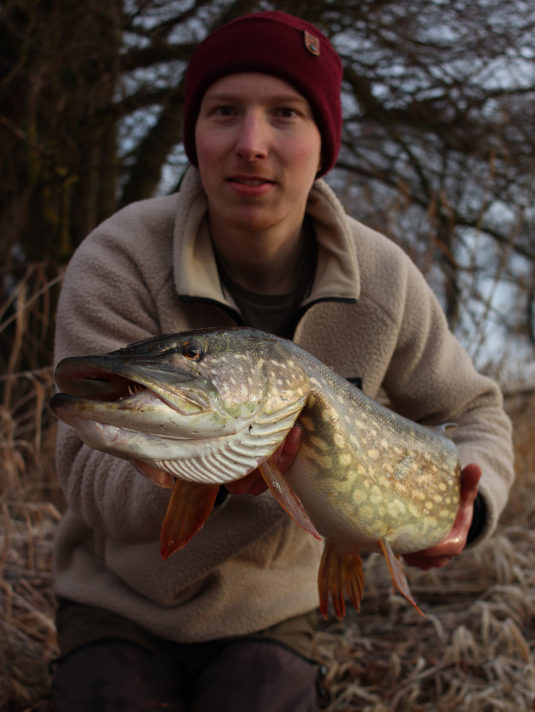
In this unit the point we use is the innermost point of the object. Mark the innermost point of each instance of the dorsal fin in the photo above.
(446, 429)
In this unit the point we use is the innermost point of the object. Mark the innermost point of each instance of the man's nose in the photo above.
(252, 139)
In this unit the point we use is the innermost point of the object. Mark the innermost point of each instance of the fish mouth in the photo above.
(163, 419)
(149, 413)
(109, 379)
(93, 382)
(140, 396)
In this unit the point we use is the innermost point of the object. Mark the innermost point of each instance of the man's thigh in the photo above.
(258, 675)
(115, 676)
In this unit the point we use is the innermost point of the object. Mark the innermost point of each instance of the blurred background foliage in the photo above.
(438, 145)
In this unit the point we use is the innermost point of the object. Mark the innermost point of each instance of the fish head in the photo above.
(181, 396)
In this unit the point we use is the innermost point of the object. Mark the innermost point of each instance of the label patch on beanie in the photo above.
(312, 44)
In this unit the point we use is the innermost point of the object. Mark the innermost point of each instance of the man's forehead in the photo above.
(253, 84)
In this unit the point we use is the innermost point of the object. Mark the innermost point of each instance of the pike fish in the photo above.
(199, 409)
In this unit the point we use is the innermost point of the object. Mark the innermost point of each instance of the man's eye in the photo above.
(224, 111)
(286, 113)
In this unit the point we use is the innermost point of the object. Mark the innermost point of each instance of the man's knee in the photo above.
(258, 675)
(112, 676)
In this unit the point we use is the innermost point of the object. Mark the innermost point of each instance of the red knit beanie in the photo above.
(271, 43)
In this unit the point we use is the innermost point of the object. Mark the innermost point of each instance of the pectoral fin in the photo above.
(340, 574)
(189, 506)
(286, 497)
(398, 575)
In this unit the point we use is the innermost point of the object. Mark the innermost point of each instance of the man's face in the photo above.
(258, 150)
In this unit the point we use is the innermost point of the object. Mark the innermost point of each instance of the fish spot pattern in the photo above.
(383, 479)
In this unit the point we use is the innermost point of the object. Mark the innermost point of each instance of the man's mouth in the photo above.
(243, 180)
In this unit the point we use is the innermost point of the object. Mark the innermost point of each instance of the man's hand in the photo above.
(283, 457)
(455, 541)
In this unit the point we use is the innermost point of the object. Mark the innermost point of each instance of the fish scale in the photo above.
(206, 407)
(394, 484)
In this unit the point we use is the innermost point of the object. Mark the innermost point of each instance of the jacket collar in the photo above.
(195, 270)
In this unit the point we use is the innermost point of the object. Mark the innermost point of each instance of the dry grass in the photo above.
(473, 653)
(29, 511)
(30, 498)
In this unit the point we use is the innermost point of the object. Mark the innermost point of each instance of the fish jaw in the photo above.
(113, 379)
(151, 405)
(113, 408)
(115, 428)
(144, 412)
(204, 447)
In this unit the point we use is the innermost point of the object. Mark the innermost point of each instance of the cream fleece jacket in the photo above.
(150, 269)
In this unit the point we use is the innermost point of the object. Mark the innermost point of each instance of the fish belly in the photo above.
(361, 482)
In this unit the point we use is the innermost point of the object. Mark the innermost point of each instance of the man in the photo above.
(252, 237)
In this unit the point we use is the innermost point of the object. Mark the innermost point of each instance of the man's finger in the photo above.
(289, 448)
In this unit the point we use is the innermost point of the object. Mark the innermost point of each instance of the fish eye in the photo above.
(192, 349)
